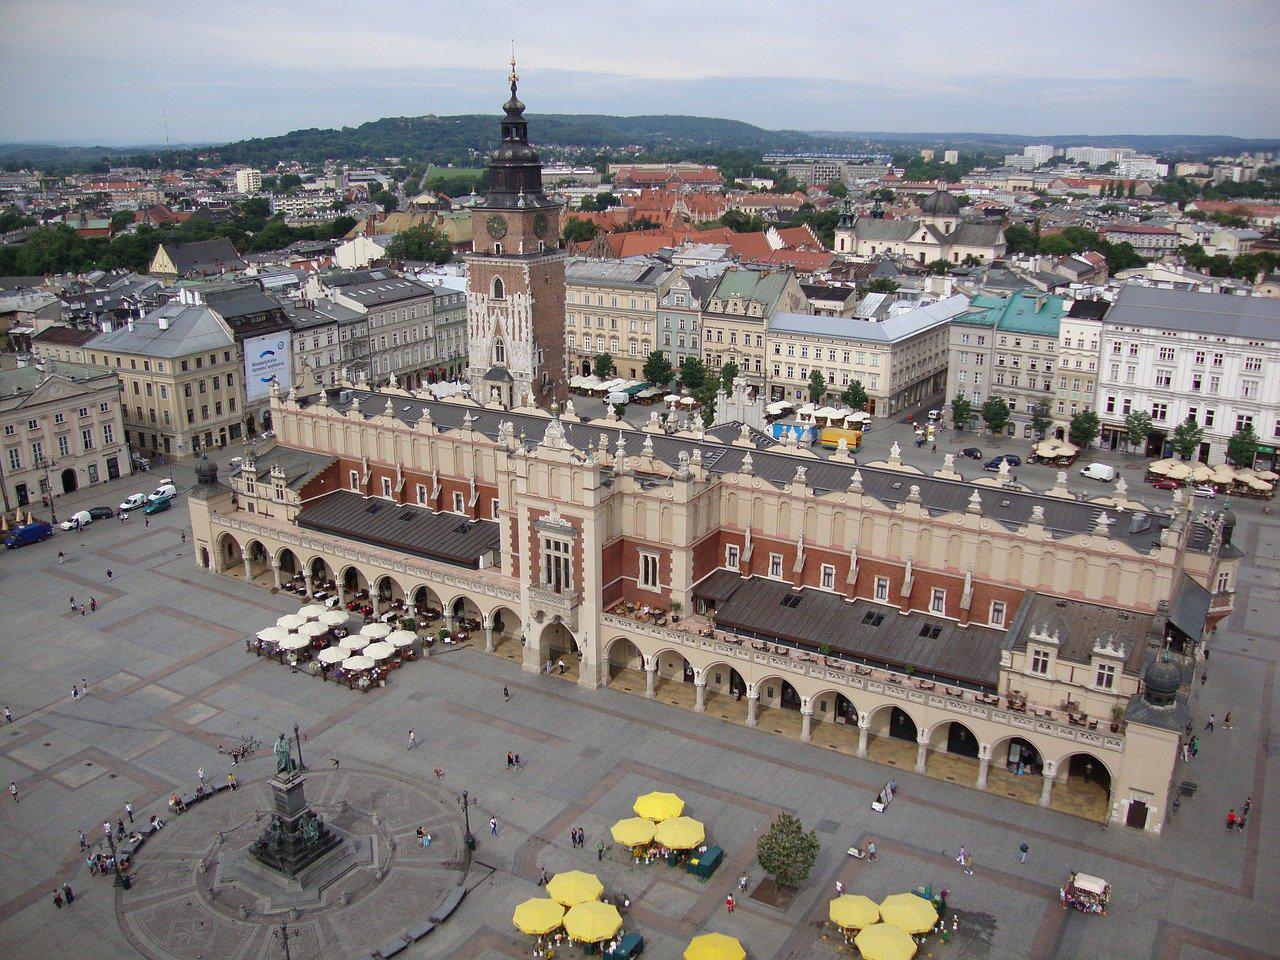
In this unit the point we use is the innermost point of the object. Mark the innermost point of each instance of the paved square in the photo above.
(170, 683)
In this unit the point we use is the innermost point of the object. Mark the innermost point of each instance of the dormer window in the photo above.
(1106, 676)
(1040, 662)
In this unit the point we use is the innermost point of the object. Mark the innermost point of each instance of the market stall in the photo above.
(658, 806)
(715, 946)
(1086, 893)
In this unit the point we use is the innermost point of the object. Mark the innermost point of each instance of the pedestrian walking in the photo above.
(871, 849)
(1022, 852)
(728, 903)
(61, 556)
(599, 849)
(1231, 820)
(8, 715)
(110, 575)
(493, 826)
(506, 694)
(75, 692)
(200, 777)
(336, 762)
(57, 898)
(84, 841)
(146, 521)
(439, 774)
(1186, 751)
(560, 666)
(511, 759)
(934, 449)
(1195, 746)
(839, 887)
(184, 536)
(413, 739)
(1226, 721)
(1208, 724)
(1248, 805)
(93, 604)
(68, 894)
(231, 781)
(742, 883)
(13, 790)
(1204, 675)
(128, 809)
(73, 605)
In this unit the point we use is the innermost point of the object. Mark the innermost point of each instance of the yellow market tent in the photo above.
(538, 916)
(714, 946)
(908, 912)
(574, 887)
(658, 806)
(883, 942)
(633, 832)
(680, 833)
(592, 922)
(853, 911)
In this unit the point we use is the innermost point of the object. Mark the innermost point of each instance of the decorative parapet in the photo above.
(565, 605)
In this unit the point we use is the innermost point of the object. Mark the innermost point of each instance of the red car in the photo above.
(1166, 484)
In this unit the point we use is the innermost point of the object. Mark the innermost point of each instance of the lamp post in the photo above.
(467, 803)
(48, 489)
(297, 737)
(283, 936)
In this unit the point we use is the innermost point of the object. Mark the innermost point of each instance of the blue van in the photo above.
(28, 533)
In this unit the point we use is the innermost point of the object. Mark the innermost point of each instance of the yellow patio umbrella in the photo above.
(908, 912)
(538, 916)
(658, 806)
(633, 832)
(680, 833)
(574, 887)
(714, 946)
(880, 941)
(592, 922)
(853, 910)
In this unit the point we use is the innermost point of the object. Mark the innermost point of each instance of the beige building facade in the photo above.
(611, 306)
(737, 317)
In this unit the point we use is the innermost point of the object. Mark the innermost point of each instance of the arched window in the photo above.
(498, 291)
(499, 348)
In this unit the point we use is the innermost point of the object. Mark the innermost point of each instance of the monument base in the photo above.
(278, 892)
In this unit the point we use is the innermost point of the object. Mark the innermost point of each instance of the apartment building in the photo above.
(400, 322)
(611, 306)
(737, 317)
(1176, 354)
(61, 429)
(680, 311)
(900, 361)
(1079, 332)
(248, 180)
(1006, 347)
(320, 329)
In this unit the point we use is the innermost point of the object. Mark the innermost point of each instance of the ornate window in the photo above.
(498, 290)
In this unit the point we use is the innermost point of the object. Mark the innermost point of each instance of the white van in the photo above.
(1099, 471)
(163, 491)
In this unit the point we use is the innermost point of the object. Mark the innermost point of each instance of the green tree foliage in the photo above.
(882, 285)
(1041, 416)
(938, 266)
(786, 852)
(599, 202)
(289, 182)
(1020, 239)
(1186, 438)
(256, 207)
(854, 396)
(817, 386)
(693, 373)
(657, 369)
(961, 412)
(602, 366)
(1085, 427)
(121, 219)
(837, 189)
(420, 243)
(1242, 448)
(728, 373)
(385, 199)
(995, 414)
(579, 230)
(11, 218)
(412, 187)
(1247, 266)
(1137, 427)
(740, 222)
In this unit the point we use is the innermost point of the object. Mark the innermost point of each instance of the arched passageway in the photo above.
(893, 737)
(388, 597)
(952, 753)
(558, 651)
(321, 577)
(505, 636)
(725, 695)
(624, 666)
(230, 556)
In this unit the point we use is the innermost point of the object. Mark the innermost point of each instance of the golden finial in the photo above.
(513, 78)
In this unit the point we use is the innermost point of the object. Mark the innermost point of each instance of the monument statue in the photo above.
(284, 756)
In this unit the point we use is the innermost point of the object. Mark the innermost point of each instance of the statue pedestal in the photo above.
(295, 837)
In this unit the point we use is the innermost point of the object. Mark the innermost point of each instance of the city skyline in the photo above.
(133, 74)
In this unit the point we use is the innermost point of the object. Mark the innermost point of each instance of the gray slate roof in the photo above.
(965, 234)
(1186, 311)
(192, 329)
(380, 292)
(204, 256)
(299, 466)
(890, 330)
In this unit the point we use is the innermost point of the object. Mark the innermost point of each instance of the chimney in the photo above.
(162, 323)
(129, 323)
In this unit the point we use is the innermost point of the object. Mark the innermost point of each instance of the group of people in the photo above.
(1236, 821)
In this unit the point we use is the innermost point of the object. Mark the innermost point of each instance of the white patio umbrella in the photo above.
(312, 630)
(295, 642)
(1178, 471)
(291, 621)
(1160, 467)
(375, 631)
(401, 638)
(273, 634)
(357, 663)
(311, 611)
(334, 618)
(353, 642)
(688, 402)
(1200, 473)
(1067, 448)
(331, 655)
(379, 651)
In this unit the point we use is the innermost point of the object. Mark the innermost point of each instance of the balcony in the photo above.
(564, 603)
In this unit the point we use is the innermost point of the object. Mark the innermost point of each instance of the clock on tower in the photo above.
(515, 277)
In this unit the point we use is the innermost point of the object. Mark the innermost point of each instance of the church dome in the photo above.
(1162, 678)
(940, 203)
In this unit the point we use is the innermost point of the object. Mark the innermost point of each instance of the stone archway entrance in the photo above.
(558, 647)
(726, 693)
(427, 605)
(952, 753)
(230, 557)
(779, 709)
(506, 633)
(894, 737)
(835, 722)
(388, 597)
(673, 680)
(1082, 787)
(70, 481)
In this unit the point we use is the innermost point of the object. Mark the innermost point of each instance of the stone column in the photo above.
(983, 764)
(488, 638)
(862, 740)
(248, 571)
(922, 752)
(753, 704)
(275, 572)
(306, 579)
(700, 684)
(342, 592)
(806, 718)
(1047, 788)
(650, 678)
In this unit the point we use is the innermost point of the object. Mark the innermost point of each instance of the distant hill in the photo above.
(1166, 144)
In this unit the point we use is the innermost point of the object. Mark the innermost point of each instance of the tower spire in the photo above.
(514, 78)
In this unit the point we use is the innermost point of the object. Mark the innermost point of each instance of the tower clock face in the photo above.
(497, 226)
(540, 224)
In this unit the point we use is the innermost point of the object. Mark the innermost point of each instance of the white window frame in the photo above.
(827, 576)
(1039, 662)
(353, 477)
(459, 502)
(882, 589)
(775, 566)
(938, 601)
(996, 617)
(732, 556)
(1104, 677)
(650, 570)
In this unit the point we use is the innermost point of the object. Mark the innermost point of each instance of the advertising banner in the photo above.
(267, 361)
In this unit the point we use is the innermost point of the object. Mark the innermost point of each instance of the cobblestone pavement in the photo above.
(169, 683)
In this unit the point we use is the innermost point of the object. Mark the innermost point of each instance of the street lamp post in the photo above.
(283, 936)
(467, 803)
(297, 737)
(48, 490)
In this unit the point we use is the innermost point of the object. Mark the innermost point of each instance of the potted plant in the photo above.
(1117, 714)
(676, 609)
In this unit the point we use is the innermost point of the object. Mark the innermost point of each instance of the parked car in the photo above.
(77, 521)
(1164, 483)
(164, 491)
(1203, 491)
(27, 534)
(1010, 458)
(133, 502)
(973, 453)
(101, 513)
(1099, 471)
(158, 506)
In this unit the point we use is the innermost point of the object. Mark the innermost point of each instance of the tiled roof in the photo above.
(753, 285)
(1034, 313)
(299, 466)
(890, 330)
(1186, 311)
(190, 329)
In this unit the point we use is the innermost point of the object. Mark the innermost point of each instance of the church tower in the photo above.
(515, 277)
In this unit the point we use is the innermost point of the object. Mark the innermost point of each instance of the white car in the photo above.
(134, 501)
(77, 521)
(1202, 491)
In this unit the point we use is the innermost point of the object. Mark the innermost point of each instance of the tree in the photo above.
(256, 207)
(693, 374)
(384, 198)
(1186, 437)
(854, 396)
(1085, 427)
(939, 266)
(1019, 239)
(837, 189)
(817, 386)
(121, 219)
(728, 373)
(995, 414)
(602, 366)
(289, 182)
(1243, 446)
(657, 369)
(786, 852)
(420, 243)
(579, 230)
(412, 187)
(740, 222)
(1137, 427)
(882, 285)
(961, 412)
(1041, 417)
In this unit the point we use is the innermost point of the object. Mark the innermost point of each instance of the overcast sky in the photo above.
(111, 71)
